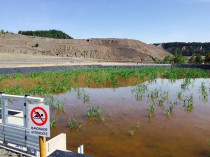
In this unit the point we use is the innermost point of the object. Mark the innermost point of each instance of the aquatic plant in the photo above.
(139, 91)
(169, 110)
(94, 111)
(110, 113)
(151, 111)
(204, 92)
(137, 125)
(179, 95)
(164, 95)
(154, 94)
(102, 118)
(131, 132)
(189, 105)
(59, 105)
(86, 98)
(74, 123)
(160, 102)
(186, 83)
(52, 122)
(54, 104)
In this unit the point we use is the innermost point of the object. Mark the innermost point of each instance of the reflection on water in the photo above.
(157, 118)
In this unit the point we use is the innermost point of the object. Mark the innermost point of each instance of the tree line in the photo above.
(178, 58)
(186, 49)
(5, 32)
(47, 33)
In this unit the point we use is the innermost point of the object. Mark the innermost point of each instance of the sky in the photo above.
(150, 21)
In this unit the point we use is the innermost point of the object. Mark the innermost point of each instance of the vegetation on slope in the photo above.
(49, 34)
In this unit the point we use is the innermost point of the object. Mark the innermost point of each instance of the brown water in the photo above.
(182, 134)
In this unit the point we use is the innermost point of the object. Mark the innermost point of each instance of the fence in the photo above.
(14, 127)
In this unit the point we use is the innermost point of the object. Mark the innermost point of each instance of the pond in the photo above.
(161, 117)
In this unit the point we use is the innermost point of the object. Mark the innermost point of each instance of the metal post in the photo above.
(42, 146)
(25, 112)
(5, 110)
(1, 94)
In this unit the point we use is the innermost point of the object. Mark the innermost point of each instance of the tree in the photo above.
(2, 31)
(198, 59)
(179, 58)
(50, 34)
(207, 58)
(192, 59)
(168, 59)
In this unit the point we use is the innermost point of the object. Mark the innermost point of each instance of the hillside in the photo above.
(187, 49)
(125, 50)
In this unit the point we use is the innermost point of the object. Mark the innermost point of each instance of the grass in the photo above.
(41, 83)
(94, 111)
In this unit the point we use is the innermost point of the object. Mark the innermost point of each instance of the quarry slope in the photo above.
(103, 49)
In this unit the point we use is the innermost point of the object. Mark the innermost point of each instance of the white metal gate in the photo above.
(13, 133)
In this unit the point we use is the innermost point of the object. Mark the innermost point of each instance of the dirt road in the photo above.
(9, 60)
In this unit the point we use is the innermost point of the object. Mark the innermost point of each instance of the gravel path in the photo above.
(6, 153)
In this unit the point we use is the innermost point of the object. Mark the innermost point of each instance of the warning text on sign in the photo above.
(39, 131)
(39, 120)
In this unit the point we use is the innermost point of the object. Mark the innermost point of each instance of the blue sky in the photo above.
(149, 21)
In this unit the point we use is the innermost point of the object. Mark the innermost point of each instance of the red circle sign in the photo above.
(39, 116)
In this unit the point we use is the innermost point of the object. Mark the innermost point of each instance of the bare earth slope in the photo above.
(125, 50)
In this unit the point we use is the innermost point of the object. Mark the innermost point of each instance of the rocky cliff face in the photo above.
(101, 49)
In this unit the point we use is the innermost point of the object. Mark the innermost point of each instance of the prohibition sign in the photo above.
(36, 117)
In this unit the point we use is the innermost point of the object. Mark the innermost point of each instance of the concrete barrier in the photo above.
(56, 143)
